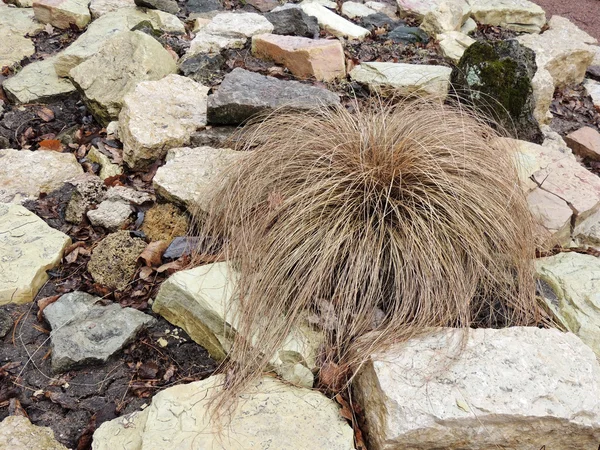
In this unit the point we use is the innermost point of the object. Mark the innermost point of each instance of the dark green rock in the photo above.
(495, 78)
(408, 35)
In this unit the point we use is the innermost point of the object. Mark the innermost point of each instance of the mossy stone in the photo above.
(495, 78)
(164, 222)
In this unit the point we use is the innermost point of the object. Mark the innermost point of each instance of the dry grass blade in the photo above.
(389, 221)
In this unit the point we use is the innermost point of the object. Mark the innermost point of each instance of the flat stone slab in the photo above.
(100, 7)
(18, 433)
(294, 22)
(19, 21)
(14, 48)
(453, 44)
(24, 174)
(517, 15)
(450, 15)
(419, 8)
(271, 415)
(244, 94)
(63, 13)
(522, 388)
(585, 142)
(159, 115)
(404, 79)
(191, 175)
(319, 58)
(37, 82)
(122, 62)
(84, 333)
(332, 23)
(28, 247)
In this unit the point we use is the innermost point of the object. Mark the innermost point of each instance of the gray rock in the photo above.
(203, 6)
(379, 20)
(218, 137)
(88, 189)
(294, 22)
(408, 35)
(110, 214)
(244, 94)
(169, 6)
(128, 195)
(495, 77)
(6, 322)
(204, 68)
(181, 245)
(85, 333)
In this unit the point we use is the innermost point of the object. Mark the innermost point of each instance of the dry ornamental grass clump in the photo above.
(389, 222)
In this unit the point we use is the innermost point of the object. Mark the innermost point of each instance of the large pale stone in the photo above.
(123, 61)
(542, 84)
(561, 52)
(453, 44)
(24, 174)
(332, 23)
(585, 142)
(593, 89)
(191, 174)
(354, 9)
(553, 217)
(28, 247)
(159, 115)
(519, 388)
(18, 433)
(587, 233)
(570, 286)
(18, 20)
(228, 30)
(37, 82)
(269, 415)
(319, 58)
(100, 7)
(517, 15)
(404, 79)
(63, 13)
(448, 16)
(14, 48)
(419, 8)
(169, 23)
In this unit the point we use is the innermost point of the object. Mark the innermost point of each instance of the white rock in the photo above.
(270, 415)
(18, 20)
(107, 167)
(384, 8)
(565, 26)
(168, 23)
(469, 26)
(100, 7)
(17, 433)
(543, 94)
(404, 79)
(587, 233)
(448, 16)
(596, 61)
(110, 214)
(63, 13)
(521, 388)
(453, 44)
(419, 8)
(593, 88)
(517, 15)
(128, 195)
(24, 174)
(191, 175)
(159, 115)
(332, 23)
(14, 48)
(228, 30)
(28, 247)
(37, 82)
(355, 9)
(553, 217)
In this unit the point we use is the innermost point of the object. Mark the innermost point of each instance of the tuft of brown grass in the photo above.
(386, 222)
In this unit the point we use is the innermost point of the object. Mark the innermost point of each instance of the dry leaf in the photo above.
(146, 273)
(345, 410)
(51, 144)
(172, 266)
(152, 255)
(46, 114)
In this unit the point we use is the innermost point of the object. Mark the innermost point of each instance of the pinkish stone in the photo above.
(304, 57)
(62, 13)
(585, 142)
(553, 216)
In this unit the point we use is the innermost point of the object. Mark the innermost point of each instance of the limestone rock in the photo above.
(19, 21)
(158, 115)
(593, 89)
(570, 286)
(587, 233)
(28, 247)
(24, 174)
(14, 48)
(107, 167)
(110, 214)
(88, 189)
(122, 62)
(420, 8)
(293, 21)
(560, 52)
(553, 217)
(517, 15)
(352, 9)
(448, 16)
(543, 94)
(190, 175)
(114, 259)
(385, 8)
(63, 13)
(319, 58)
(18, 433)
(270, 415)
(228, 30)
(37, 83)
(585, 142)
(404, 79)
(453, 44)
(332, 23)
(565, 26)
(166, 22)
(84, 333)
(128, 195)
(100, 7)
(168, 6)
(469, 26)
(506, 388)
(243, 94)
(502, 71)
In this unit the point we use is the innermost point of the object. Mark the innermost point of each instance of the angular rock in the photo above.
(20, 21)
(244, 94)
(114, 259)
(587, 233)
(513, 388)
(263, 5)
(585, 142)
(420, 8)
(385, 8)
(352, 10)
(166, 22)
(84, 333)
(14, 48)
(100, 7)
(379, 20)
(191, 175)
(319, 58)
(219, 137)
(228, 30)
(24, 174)
(294, 22)
(129, 195)
(570, 287)
(29, 248)
(107, 167)
(501, 71)
(168, 6)
(403, 79)
(203, 6)
(204, 68)
(517, 15)
(37, 83)
(560, 52)
(332, 23)
(453, 44)
(408, 35)
(469, 26)
(553, 217)
(123, 61)
(63, 13)
(270, 415)
(110, 214)
(543, 94)
(18, 433)
(159, 115)
(593, 89)
(448, 16)
(88, 190)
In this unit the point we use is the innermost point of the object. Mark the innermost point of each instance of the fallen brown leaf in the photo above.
(51, 144)
(46, 114)
(146, 273)
(152, 254)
